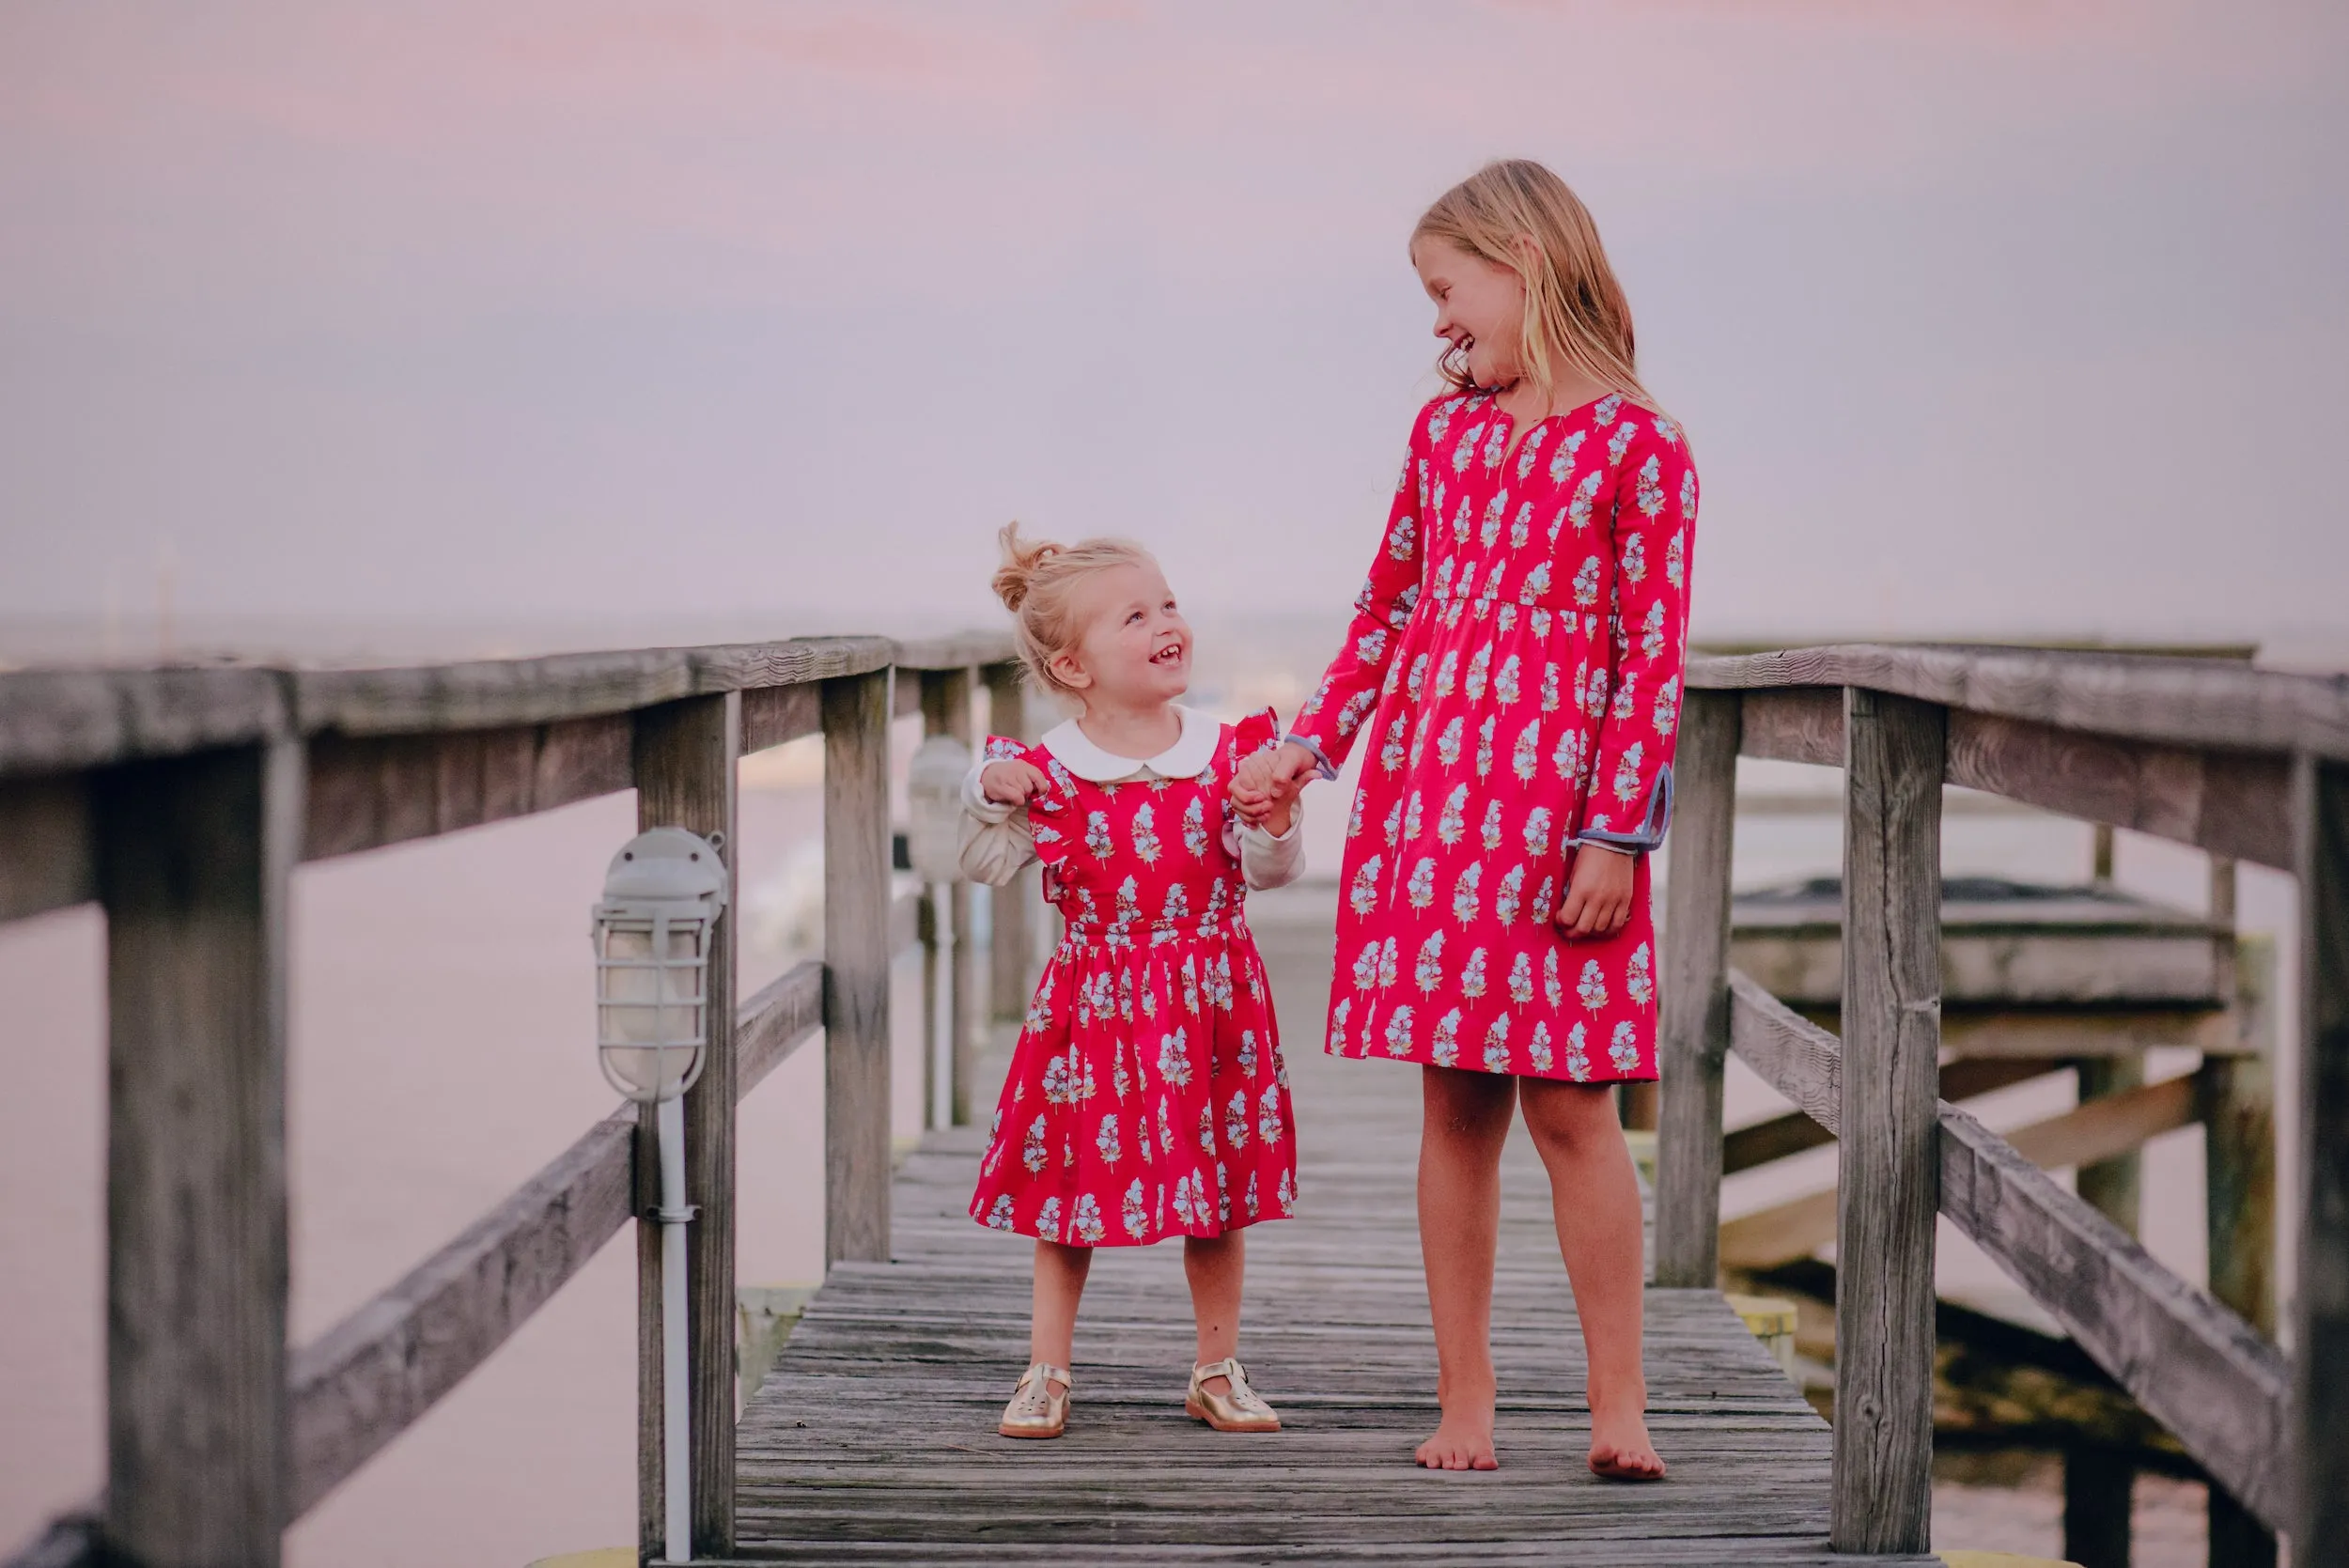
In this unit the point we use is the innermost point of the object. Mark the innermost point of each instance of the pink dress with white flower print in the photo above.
(1515, 658)
(1146, 1097)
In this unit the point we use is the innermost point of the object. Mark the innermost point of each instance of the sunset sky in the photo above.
(1987, 318)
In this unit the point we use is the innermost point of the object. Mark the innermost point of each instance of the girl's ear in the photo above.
(1068, 672)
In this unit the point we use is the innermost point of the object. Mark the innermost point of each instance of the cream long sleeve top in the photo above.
(997, 844)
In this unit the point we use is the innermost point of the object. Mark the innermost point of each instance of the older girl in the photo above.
(1516, 661)
(1146, 1097)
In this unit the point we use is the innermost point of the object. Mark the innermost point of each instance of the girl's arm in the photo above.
(1653, 534)
(997, 840)
(1327, 724)
(1268, 860)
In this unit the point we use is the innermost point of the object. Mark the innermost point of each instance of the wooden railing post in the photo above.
(856, 967)
(1693, 1022)
(2320, 1357)
(195, 856)
(946, 711)
(684, 757)
(1011, 914)
(1888, 1187)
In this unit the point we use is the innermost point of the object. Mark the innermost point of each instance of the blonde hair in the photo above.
(1515, 213)
(1035, 584)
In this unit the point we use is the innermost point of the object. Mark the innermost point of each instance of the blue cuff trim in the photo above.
(1328, 772)
(1651, 833)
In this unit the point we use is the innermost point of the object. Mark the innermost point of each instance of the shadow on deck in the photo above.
(873, 1439)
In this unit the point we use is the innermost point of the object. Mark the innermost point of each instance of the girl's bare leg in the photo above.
(1595, 1197)
(1216, 1266)
(1466, 1123)
(1060, 1283)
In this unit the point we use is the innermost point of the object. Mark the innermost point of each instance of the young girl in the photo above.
(1516, 661)
(1146, 1097)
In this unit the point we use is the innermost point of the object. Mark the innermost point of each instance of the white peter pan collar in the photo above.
(1190, 756)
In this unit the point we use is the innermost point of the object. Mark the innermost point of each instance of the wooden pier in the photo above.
(181, 800)
(873, 1440)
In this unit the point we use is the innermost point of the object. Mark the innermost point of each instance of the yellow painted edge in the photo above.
(606, 1557)
(2000, 1560)
(1764, 1316)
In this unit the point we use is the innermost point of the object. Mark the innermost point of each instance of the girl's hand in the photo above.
(1265, 781)
(1598, 893)
(1011, 781)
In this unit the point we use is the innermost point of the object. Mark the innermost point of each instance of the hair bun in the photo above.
(1020, 559)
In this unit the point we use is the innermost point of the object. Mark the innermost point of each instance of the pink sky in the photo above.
(1987, 318)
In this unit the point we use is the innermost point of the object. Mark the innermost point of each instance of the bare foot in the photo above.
(1620, 1450)
(1463, 1442)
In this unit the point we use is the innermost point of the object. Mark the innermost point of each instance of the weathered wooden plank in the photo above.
(62, 720)
(1012, 909)
(2188, 702)
(955, 650)
(2230, 803)
(1760, 1143)
(2320, 1518)
(494, 693)
(370, 791)
(1693, 1026)
(194, 857)
(777, 1022)
(1795, 1056)
(2093, 1132)
(686, 755)
(856, 973)
(1796, 724)
(372, 1375)
(1886, 1171)
(775, 714)
(46, 859)
(2195, 1367)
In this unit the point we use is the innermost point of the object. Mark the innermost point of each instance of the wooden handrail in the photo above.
(2195, 1367)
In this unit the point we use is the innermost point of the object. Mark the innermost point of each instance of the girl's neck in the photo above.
(1140, 730)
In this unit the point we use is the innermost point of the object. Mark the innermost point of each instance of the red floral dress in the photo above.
(1516, 655)
(1146, 1097)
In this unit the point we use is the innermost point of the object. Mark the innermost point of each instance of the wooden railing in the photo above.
(180, 801)
(2239, 763)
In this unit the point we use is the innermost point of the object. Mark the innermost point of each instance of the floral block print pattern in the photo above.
(1146, 1097)
(1516, 661)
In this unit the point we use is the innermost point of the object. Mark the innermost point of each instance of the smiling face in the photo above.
(1480, 308)
(1134, 648)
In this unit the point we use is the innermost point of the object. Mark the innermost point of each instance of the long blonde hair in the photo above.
(1515, 213)
(1035, 582)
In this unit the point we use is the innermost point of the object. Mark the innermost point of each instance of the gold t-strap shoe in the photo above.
(1036, 1410)
(1240, 1410)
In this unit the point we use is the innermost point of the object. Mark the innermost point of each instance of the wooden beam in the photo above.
(63, 720)
(195, 856)
(955, 650)
(1013, 909)
(1885, 1188)
(374, 1375)
(2214, 703)
(1796, 725)
(856, 973)
(1795, 1056)
(686, 755)
(775, 714)
(371, 791)
(1693, 1025)
(2229, 802)
(2320, 1310)
(2195, 1367)
(2236, 1107)
(1762, 1143)
(46, 856)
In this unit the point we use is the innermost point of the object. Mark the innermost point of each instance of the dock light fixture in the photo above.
(652, 932)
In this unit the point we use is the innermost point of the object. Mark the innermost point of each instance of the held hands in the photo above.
(1010, 783)
(1598, 893)
(1265, 789)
